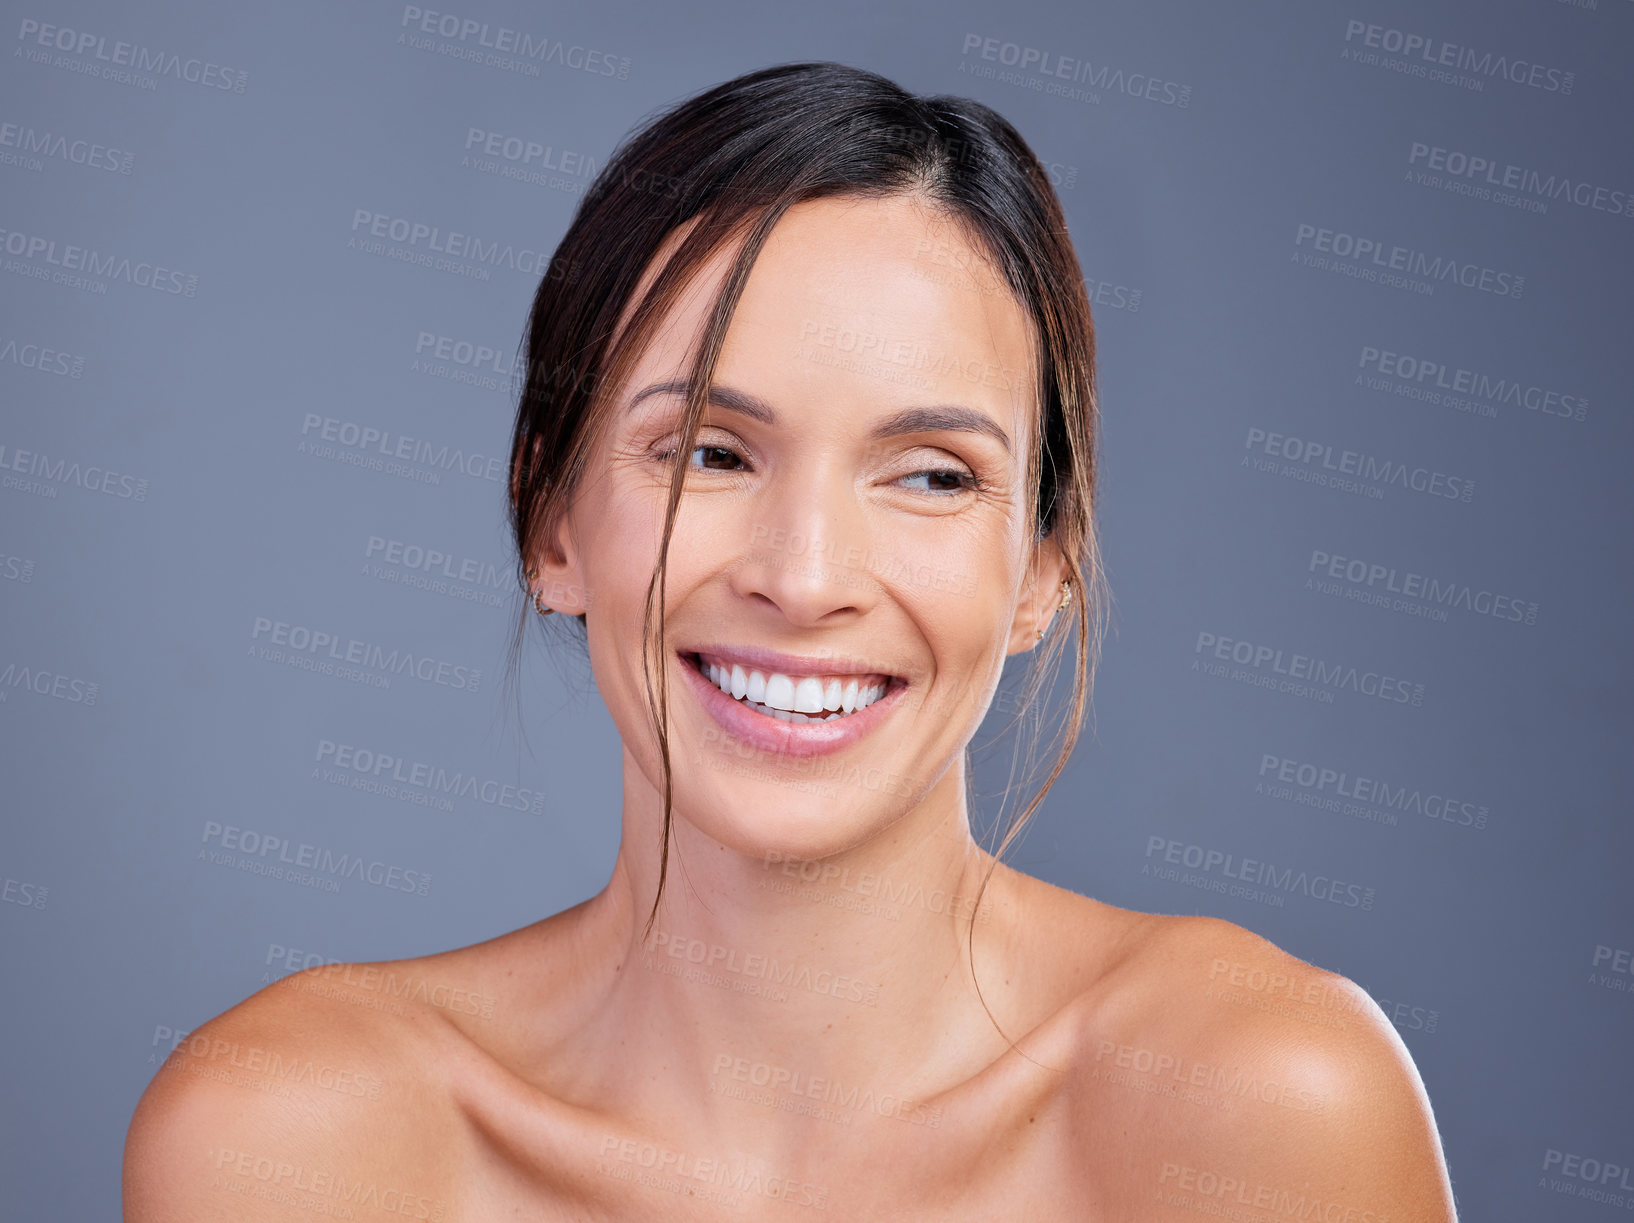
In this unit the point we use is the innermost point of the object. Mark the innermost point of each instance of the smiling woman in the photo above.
(806, 447)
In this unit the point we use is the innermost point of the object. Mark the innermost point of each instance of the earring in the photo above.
(538, 594)
(1066, 597)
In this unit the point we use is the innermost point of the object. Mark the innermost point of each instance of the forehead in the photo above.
(878, 298)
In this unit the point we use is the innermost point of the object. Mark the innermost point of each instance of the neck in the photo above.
(849, 976)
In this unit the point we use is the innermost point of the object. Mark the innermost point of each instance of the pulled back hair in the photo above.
(732, 160)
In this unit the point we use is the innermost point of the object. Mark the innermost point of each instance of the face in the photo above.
(853, 555)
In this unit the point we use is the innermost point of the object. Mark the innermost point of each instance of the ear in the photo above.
(557, 574)
(1041, 595)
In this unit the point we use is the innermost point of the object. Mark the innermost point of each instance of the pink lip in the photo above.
(774, 736)
(749, 656)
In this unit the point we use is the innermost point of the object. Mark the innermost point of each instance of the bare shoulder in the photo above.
(326, 1092)
(1259, 1082)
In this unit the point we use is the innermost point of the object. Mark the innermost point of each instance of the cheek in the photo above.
(620, 542)
(965, 602)
(963, 563)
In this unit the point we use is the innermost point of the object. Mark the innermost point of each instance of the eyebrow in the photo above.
(931, 419)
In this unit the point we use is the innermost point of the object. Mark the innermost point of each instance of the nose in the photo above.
(808, 553)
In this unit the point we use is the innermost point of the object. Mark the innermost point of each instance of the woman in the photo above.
(806, 446)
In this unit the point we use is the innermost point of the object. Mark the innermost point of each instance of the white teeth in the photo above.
(791, 700)
(779, 691)
(808, 695)
(831, 695)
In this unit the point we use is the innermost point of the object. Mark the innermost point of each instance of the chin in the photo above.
(772, 819)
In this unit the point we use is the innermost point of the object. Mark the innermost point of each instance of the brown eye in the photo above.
(945, 480)
(714, 457)
(716, 454)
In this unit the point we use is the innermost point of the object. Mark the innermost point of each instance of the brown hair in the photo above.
(732, 160)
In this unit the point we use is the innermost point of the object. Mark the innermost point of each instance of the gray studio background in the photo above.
(1380, 240)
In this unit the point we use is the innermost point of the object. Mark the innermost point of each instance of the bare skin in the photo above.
(802, 1033)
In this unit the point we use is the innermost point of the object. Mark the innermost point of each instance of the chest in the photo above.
(818, 1156)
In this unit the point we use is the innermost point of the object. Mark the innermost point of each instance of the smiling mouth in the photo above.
(794, 698)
